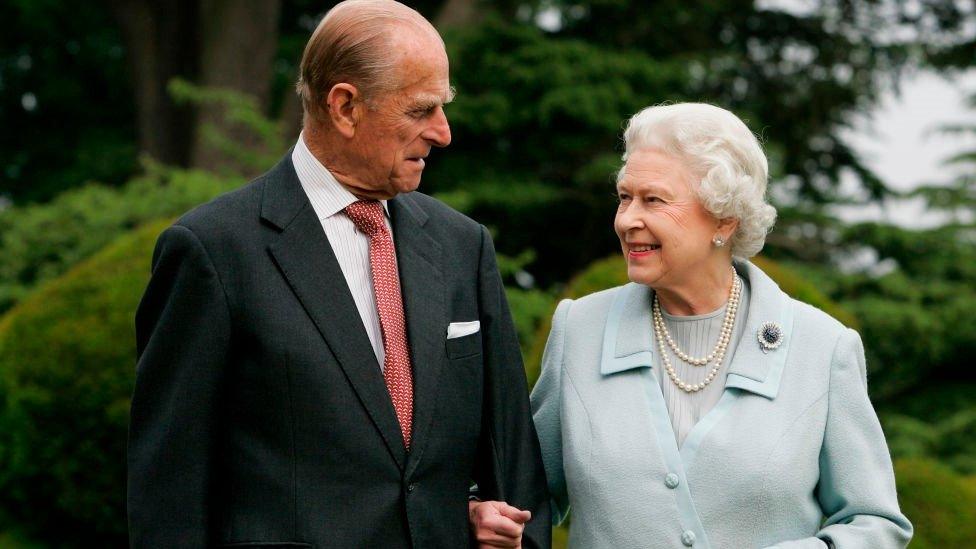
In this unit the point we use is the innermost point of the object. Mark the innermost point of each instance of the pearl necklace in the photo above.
(717, 354)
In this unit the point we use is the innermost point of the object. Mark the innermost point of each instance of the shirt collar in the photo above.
(327, 195)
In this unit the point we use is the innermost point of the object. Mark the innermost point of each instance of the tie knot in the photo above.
(367, 215)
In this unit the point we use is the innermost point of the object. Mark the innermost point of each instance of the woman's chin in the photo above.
(641, 274)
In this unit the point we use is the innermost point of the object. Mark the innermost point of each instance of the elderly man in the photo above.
(326, 359)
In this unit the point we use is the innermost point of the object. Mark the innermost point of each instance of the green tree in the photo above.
(539, 112)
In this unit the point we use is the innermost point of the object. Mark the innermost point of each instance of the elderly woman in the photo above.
(699, 405)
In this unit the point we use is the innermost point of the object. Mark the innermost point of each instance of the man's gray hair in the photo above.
(720, 150)
(353, 44)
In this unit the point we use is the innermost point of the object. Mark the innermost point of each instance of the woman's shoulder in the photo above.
(809, 321)
(589, 308)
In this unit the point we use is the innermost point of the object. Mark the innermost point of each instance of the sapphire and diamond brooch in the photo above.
(770, 336)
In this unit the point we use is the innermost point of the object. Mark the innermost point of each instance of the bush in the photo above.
(939, 503)
(40, 242)
(950, 440)
(67, 365)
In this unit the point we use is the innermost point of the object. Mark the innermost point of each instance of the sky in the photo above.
(898, 140)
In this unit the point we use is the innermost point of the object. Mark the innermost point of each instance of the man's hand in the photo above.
(497, 524)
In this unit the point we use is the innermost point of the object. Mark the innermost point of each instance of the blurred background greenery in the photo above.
(120, 116)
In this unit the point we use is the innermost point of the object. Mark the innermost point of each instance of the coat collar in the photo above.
(627, 341)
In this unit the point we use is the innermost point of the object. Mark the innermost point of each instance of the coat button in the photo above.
(688, 538)
(672, 481)
(411, 487)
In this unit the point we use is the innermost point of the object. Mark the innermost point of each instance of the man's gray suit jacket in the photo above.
(260, 417)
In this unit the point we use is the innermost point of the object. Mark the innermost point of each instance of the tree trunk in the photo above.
(457, 13)
(239, 41)
(291, 116)
(161, 39)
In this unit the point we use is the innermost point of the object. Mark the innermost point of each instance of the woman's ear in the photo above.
(726, 228)
(345, 105)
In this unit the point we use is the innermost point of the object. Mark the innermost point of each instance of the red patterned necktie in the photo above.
(369, 219)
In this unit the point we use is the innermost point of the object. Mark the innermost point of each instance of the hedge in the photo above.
(67, 365)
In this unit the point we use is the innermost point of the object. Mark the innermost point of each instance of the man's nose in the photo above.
(439, 131)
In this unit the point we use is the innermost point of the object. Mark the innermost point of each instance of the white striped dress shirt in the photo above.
(351, 247)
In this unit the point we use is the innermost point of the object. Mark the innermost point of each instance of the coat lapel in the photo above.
(422, 285)
(305, 258)
(751, 369)
(627, 341)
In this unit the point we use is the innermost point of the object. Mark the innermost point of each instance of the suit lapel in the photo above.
(305, 258)
(424, 301)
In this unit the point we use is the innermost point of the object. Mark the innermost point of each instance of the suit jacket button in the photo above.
(411, 487)
(688, 538)
(672, 481)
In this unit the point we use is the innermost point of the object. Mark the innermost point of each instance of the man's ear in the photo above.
(345, 106)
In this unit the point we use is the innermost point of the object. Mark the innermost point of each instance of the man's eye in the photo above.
(652, 199)
(423, 113)
(621, 197)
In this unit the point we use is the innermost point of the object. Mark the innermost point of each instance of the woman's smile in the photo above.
(637, 252)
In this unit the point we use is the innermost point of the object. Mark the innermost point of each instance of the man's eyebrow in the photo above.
(430, 101)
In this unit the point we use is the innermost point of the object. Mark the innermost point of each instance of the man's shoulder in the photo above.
(225, 207)
(438, 210)
(231, 211)
(443, 218)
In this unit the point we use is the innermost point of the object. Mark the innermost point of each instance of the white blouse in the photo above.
(696, 336)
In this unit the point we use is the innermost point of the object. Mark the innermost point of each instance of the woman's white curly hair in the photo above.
(718, 147)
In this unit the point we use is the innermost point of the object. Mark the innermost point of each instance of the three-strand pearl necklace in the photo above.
(717, 354)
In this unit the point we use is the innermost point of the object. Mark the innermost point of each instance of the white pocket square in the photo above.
(461, 329)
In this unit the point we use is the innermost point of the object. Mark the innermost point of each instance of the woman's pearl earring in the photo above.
(718, 241)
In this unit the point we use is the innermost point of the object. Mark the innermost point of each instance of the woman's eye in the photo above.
(623, 197)
(652, 199)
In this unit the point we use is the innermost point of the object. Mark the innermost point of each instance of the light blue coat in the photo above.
(792, 453)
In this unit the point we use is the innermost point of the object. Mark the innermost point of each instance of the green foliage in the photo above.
(951, 440)
(40, 242)
(239, 112)
(916, 320)
(64, 410)
(68, 113)
(536, 125)
(540, 109)
(16, 540)
(530, 309)
(799, 288)
(939, 503)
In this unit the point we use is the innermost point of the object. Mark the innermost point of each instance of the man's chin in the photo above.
(407, 185)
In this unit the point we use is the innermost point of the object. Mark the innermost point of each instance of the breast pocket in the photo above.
(464, 346)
